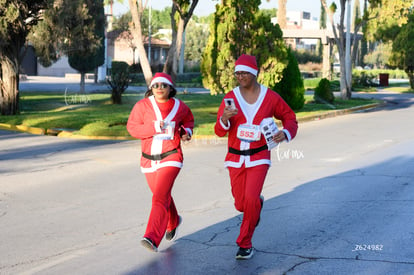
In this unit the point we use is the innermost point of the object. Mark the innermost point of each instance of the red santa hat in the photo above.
(246, 63)
(162, 78)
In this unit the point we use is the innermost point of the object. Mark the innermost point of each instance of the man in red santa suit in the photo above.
(161, 121)
(240, 115)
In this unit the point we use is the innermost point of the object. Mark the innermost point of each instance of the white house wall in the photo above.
(59, 68)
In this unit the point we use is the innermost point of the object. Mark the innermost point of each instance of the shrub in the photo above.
(118, 80)
(363, 79)
(323, 92)
(291, 87)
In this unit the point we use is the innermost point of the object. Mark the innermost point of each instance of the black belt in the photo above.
(160, 156)
(248, 152)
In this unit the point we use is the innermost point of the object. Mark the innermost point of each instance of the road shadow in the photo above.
(16, 146)
(392, 101)
(356, 222)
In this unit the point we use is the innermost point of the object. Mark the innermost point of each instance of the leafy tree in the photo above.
(403, 49)
(122, 22)
(75, 28)
(195, 41)
(44, 37)
(87, 51)
(380, 57)
(17, 18)
(382, 18)
(291, 87)
(339, 31)
(240, 28)
(387, 18)
(159, 20)
(392, 21)
(322, 26)
(269, 12)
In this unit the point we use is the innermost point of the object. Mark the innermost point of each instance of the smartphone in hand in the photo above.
(229, 102)
(183, 131)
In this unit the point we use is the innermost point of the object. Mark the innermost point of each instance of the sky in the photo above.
(206, 7)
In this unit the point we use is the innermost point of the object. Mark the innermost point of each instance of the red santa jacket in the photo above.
(268, 104)
(143, 123)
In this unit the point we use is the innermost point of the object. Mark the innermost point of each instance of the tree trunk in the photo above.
(172, 57)
(410, 75)
(136, 12)
(345, 81)
(178, 48)
(281, 14)
(9, 82)
(116, 96)
(171, 64)
(82, 83)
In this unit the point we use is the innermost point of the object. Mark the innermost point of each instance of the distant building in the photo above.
(304, 21)
(120, 47)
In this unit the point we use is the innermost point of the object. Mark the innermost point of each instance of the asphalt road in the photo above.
(338, 200)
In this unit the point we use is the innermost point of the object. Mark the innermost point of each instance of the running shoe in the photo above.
(244, 253)
(149, 244)
(172, 235)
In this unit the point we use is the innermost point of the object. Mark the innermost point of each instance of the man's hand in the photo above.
(228, 112)
(279, 137)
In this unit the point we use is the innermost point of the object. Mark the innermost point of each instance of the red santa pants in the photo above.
(246, 186)
(163, 216)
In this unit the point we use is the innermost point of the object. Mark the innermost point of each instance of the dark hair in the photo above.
(172, 93)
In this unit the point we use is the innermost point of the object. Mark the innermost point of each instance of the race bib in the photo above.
(167, 132)
(249, 133)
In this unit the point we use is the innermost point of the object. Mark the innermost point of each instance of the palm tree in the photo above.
(281, 13)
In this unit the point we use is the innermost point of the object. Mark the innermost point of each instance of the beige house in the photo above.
(120, 47)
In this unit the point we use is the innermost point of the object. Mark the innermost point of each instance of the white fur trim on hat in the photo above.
(244, 68)
(161, 80)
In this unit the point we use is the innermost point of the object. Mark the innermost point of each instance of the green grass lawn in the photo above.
(94, 115)
(399, 89)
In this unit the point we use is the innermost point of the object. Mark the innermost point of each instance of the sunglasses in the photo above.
(159, 86)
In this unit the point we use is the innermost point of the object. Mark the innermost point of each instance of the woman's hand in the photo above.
(186, 137)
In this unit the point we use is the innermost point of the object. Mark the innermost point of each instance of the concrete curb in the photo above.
(341, 112)
(68, 134)
(23, 128)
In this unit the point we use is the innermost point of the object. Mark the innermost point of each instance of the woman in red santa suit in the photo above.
(240, 115)
(161, 121)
